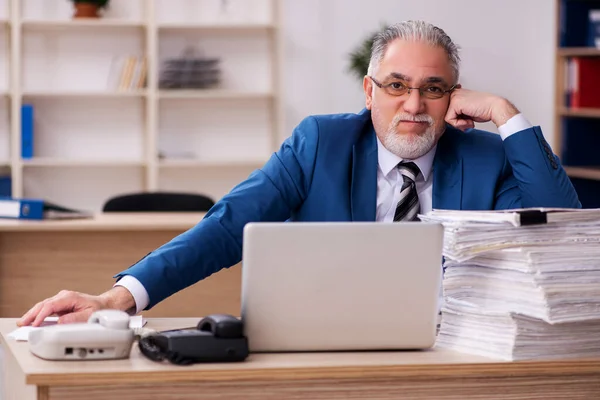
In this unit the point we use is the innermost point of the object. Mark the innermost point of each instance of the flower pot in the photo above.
(86, 10)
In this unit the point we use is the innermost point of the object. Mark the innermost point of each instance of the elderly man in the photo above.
(410, 150)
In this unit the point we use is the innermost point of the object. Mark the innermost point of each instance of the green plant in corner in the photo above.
(88, 8)
(361, 55)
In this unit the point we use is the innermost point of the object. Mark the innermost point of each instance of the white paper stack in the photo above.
(521, 289)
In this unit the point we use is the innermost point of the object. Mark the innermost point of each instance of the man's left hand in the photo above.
(467, 107)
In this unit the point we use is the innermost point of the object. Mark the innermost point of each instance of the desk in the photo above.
(40, 258)
(435, 374)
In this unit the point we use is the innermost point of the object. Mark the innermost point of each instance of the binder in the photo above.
(27, 131)
(37, 209)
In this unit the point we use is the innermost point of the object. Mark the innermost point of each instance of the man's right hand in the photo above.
(77, 307)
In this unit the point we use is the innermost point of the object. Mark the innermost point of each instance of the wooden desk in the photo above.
(435, 374)
(40, 258)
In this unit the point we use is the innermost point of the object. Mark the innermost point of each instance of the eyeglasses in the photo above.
(397, 88)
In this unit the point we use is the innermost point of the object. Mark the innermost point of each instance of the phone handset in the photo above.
(106, 335)
(216, 338)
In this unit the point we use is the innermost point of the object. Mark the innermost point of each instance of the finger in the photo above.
(468, 124)
(58, 305)
(30, 315)
(464, 123)
(79, 316)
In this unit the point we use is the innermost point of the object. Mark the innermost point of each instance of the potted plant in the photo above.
(88, 8)
(361, 55)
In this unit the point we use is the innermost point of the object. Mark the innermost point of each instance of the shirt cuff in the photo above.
(516, 124)
(137, 290)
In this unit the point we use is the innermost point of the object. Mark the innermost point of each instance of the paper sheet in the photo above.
(22, 333)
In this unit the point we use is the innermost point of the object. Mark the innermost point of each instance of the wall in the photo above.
(507, 49)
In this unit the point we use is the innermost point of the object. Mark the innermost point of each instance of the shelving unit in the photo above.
(93, 141)
(577, 129)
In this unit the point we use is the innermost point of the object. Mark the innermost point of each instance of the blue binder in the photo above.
(21, 208)
(37, 209)
(27, 134)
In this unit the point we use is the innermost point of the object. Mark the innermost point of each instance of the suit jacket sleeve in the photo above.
(532, 175)
(269, 194)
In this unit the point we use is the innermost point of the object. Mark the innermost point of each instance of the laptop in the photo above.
(341, 286)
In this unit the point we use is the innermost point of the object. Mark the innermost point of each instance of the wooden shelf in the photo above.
(211, 94)
(190, 163)
(69, 70)
(583, 172)
(580, 112)
(55, 162)
(578, 51)
(102, 23)
(92, 93)
(225, 27)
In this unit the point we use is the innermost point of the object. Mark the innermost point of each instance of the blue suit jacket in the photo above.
(327, 171)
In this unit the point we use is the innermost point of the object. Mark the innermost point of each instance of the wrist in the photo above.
(502, 111)
(118, 298)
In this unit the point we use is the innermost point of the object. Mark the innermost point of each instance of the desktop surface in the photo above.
(431, 374)
(108, 221)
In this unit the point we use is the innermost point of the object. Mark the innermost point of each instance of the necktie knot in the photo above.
(409, 170)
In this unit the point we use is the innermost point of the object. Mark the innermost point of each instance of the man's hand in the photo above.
(77, 307)
(467, 107)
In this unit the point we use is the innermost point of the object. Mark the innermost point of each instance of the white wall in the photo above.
(507, 49)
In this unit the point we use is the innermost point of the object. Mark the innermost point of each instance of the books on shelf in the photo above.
(582, 82)
(5, 185)
(128, 73)
(27, 131)
(521, 291)
(594, 28)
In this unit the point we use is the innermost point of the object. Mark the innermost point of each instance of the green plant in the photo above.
(361, 55)
(99, 3)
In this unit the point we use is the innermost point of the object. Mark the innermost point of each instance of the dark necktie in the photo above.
(408, 206)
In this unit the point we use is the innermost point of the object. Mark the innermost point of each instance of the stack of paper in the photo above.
(521, 288)
(514, 336)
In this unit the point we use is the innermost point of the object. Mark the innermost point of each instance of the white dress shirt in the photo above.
(389, 182)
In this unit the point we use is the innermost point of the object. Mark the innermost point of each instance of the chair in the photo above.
(159, 202)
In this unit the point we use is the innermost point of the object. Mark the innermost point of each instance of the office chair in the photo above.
(159, 202)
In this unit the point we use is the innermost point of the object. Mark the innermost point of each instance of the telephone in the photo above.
(106, 335)
(216, 338)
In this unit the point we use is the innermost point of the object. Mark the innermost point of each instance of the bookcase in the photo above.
(577, 134)
(95, 138)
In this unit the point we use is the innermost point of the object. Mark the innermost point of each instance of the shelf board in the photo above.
(216, 27)
(80, 23)
(91, 94)
(578, 51)
(580, 112)
(57, 162)
(191, 163)
(583, 172)
(211, 94)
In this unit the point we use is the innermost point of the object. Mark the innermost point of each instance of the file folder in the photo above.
(37, 209)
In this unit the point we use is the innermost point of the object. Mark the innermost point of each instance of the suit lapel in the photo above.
(363, 189)
(447, 173)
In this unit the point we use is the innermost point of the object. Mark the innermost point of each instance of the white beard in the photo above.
(409, 146)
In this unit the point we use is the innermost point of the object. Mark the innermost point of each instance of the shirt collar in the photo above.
(388, 160)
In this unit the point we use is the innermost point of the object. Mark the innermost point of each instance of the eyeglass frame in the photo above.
(408, 89)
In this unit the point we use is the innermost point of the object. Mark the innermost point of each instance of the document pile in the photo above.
(521, 284)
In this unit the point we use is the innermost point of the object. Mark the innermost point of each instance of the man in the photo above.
(405, 153)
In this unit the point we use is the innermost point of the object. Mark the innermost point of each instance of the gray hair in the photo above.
(417, 31)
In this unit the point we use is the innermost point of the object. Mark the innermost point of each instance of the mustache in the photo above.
(412, 118)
